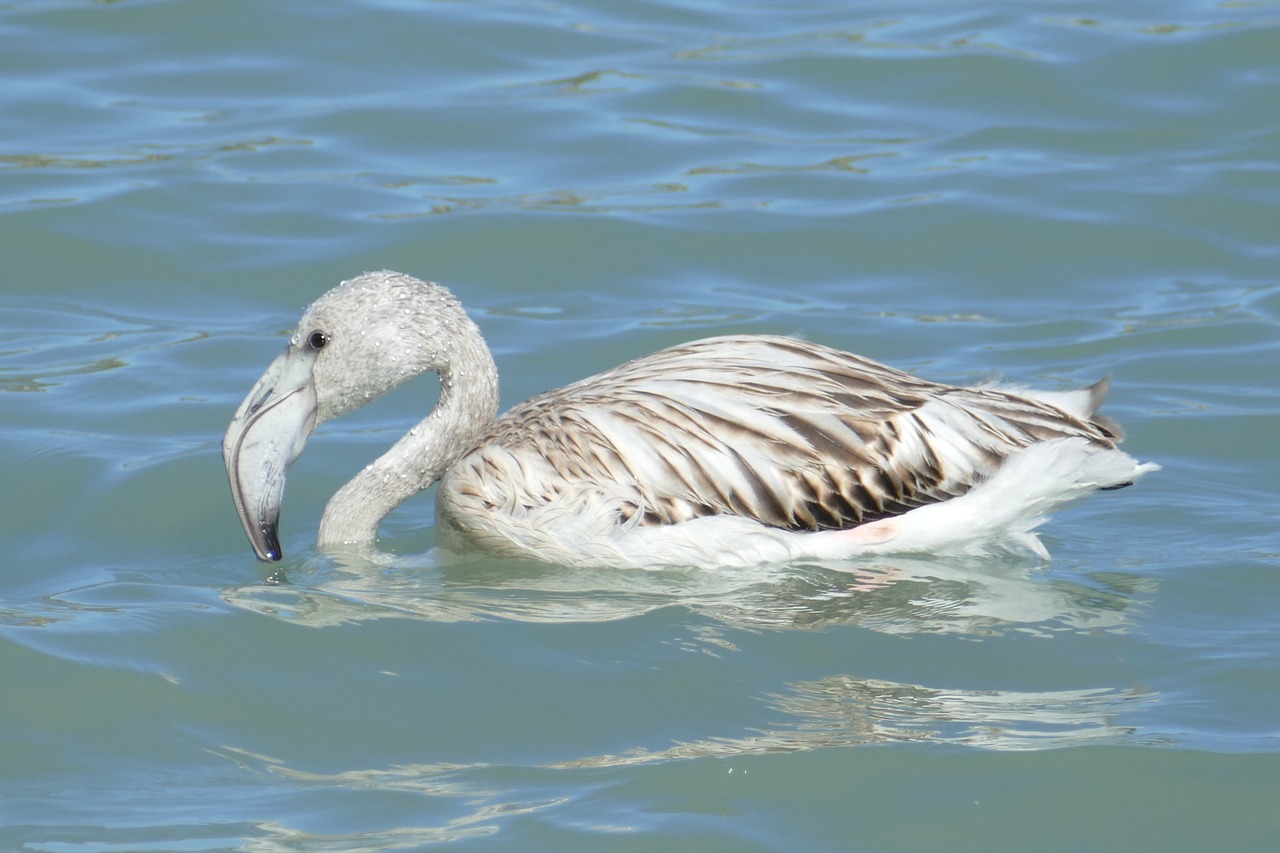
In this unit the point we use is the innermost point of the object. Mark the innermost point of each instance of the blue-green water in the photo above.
(1046, 191)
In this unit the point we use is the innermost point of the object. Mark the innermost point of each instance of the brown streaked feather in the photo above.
(795, 435)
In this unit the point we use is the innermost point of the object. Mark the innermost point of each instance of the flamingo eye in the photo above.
(317, 340)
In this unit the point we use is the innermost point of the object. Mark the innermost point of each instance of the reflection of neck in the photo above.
(468, 403)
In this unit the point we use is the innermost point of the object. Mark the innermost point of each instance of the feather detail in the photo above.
(782, 434)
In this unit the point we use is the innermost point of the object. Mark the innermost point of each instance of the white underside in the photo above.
(1000, 513)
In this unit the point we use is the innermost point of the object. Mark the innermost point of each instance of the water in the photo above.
(1047, 191)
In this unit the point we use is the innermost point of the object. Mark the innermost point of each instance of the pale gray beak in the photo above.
(265, 437)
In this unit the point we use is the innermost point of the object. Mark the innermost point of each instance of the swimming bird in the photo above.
(732, 450)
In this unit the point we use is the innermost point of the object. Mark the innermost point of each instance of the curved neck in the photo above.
(468, 404)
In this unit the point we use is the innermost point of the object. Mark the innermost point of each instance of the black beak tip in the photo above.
(270, 551)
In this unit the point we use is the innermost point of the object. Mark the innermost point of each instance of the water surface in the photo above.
(1046, 192)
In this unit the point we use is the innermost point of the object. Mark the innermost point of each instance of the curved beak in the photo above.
(266, 435)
